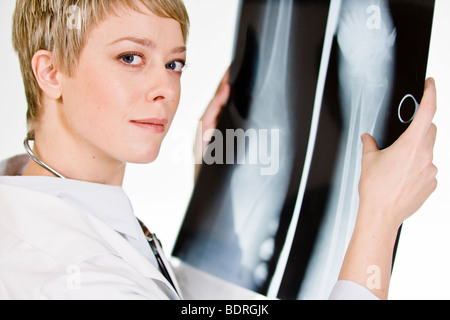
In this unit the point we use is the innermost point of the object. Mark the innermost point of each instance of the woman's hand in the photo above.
(208, 122)
(394, 184)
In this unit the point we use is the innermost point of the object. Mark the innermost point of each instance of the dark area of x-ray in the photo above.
(310, 76)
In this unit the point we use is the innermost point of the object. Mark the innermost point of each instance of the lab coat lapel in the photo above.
(134, 258)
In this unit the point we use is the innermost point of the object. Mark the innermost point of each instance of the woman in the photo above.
(103, 93)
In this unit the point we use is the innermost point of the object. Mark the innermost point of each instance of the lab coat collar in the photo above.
(32, 216)
(116, 209)
(83, 236)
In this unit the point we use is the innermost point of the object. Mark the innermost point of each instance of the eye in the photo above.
(133, 59)
(176, 66)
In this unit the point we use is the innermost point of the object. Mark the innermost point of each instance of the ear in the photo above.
(46, 74)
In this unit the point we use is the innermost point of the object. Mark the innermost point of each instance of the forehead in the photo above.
(143, 24)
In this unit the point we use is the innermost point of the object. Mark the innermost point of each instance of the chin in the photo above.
(143, 157)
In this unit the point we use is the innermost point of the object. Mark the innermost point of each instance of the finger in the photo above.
(432, 180)
(223, 94)
(218, 101)
(369, 143)
(223, 91)
(226, 77)
(427, 109)
(224, 83)
(431, 136)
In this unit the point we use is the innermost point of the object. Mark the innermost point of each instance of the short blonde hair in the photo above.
(45, 25)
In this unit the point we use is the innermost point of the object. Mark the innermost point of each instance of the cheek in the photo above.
(99, 99)
(176, 97)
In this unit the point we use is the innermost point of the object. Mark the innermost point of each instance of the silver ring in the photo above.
(401, 105)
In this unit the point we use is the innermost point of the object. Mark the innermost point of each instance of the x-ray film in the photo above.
(276, 200)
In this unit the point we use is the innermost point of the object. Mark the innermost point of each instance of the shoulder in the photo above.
(54, 251)
(14, 166)
(30, 273)
(37, 219)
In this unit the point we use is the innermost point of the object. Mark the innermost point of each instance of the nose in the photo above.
(162, 86)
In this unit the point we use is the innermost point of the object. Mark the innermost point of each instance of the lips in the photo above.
(154, 125)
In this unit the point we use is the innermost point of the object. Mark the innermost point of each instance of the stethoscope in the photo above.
(153, 241)
(26, 144)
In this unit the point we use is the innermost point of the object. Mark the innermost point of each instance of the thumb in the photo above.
(223, 92)
(220, 97)
(369, 143)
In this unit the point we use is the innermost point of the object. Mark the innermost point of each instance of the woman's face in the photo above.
(125, 90)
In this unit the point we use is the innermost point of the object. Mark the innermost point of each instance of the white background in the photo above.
(160, 192)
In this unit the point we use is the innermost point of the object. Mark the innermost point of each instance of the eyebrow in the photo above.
(146, 43)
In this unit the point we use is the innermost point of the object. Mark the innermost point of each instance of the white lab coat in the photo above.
(51, 250)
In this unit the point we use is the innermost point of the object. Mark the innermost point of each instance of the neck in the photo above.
(74, 161)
